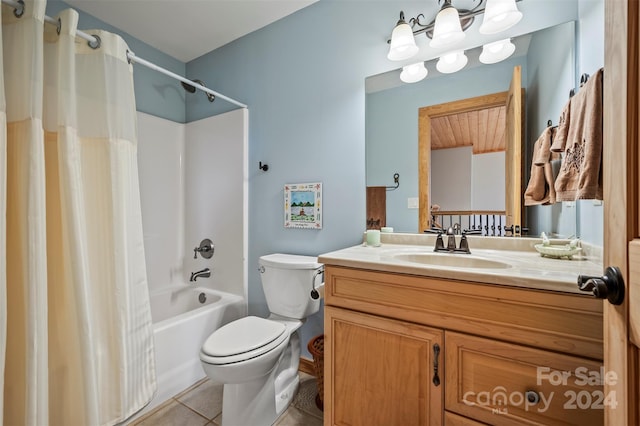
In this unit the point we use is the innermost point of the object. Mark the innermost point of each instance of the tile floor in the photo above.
(201, 405)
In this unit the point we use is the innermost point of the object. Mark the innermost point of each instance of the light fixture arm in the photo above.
(466, 18)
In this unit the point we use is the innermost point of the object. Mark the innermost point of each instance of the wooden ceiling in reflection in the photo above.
(483, 129)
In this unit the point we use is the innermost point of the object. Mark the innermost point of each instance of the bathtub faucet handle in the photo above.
(205, 249)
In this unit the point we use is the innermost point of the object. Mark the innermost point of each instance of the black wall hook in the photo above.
(396, 180)
(263, 167)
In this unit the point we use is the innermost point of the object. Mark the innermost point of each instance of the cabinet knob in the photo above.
(532, 397)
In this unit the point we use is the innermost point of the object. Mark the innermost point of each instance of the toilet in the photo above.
(256, 358)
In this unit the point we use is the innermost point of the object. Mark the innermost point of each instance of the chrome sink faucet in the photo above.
(204, 273)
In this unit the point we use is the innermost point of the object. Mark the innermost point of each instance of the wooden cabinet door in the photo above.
(621, 175)
(380, 371)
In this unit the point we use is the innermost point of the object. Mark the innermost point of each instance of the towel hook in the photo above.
(583, 79)
(396, 180)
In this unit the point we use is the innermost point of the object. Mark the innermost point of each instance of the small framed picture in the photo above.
(303, 205)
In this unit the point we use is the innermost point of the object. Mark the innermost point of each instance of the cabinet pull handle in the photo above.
(436, 355)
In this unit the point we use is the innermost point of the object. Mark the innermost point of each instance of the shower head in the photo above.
(191, 89)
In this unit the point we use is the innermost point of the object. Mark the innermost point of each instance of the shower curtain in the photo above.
(76, 343)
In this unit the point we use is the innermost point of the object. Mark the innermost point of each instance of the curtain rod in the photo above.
(94, 42)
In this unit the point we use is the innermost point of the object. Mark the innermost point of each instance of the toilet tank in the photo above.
(287, 280)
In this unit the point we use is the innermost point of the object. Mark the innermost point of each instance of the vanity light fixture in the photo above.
(403, 45)
(413, 73)
(447, 29)
(452, 62)
(499, 15)
(497, 51)
(449, 25)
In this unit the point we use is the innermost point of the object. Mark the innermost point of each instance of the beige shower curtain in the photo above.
(79, 343)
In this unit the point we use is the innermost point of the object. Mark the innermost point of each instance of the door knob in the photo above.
(610, 286)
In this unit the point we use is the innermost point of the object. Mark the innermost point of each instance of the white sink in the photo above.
(451, 260)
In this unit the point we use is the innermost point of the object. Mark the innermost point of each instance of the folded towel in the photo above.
(580, 175)
(562, 132)
(540, 189)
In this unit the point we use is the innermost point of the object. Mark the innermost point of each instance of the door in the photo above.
(513, 153)
(621, 218)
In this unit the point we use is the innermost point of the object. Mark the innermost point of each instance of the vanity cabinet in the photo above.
(414, 350)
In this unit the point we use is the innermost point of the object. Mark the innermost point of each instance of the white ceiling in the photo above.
(187, 29)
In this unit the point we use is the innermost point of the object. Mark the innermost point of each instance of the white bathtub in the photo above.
(181, 324)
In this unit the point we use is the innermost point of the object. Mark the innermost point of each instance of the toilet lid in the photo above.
(243, 335)
(290, 261)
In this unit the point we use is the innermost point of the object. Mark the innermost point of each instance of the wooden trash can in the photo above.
(316, 348)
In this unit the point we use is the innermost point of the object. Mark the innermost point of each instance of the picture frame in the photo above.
(303, 205)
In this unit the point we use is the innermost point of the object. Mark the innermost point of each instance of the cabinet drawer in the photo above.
(491, 381)
(558, 322)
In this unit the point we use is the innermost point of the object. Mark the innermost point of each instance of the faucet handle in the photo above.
(439, 243)
(206, 249)
(464, 244)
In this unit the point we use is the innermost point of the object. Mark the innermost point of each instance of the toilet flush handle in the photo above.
(314, 293)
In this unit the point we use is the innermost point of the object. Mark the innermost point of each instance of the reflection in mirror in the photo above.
(549, 69)
(491, 125)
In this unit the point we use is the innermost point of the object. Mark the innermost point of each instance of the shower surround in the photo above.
(193, 185)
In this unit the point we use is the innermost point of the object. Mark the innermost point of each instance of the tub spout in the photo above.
(206, 273)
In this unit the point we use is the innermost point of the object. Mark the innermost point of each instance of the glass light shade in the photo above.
(413, 73)
(403, 45)
(452, 62)
(447, 29)
(499, 15)
(497, 51)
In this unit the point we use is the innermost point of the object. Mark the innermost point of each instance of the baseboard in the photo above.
(306, 366)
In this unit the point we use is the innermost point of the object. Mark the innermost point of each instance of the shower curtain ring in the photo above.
(95, 43)
(59, 26)
(19, 10)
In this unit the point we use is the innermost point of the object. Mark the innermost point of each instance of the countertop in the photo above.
(525, 266)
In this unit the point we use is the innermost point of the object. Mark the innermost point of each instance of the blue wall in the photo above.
(551, 62)
(590, 59)
(156, 94)
(303, 80)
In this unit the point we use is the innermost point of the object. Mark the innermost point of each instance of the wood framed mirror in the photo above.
(511, 102)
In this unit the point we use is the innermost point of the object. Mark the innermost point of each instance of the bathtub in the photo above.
(183, 317)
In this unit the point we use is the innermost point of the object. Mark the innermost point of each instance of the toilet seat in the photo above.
(243, 339)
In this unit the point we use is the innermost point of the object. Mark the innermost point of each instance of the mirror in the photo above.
(550, 69)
